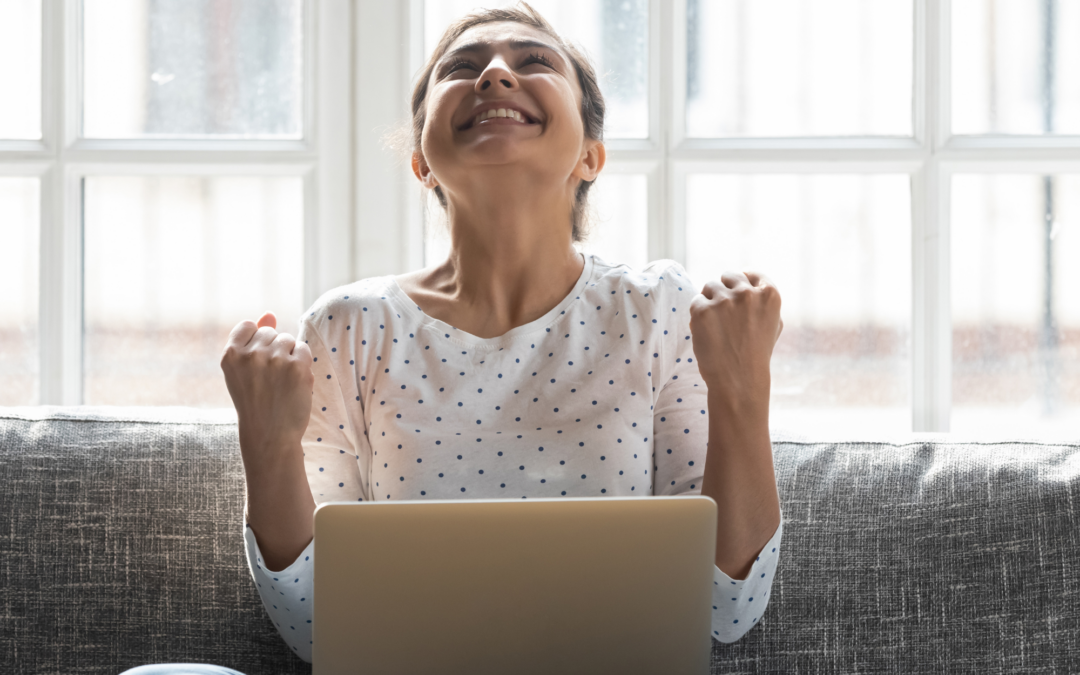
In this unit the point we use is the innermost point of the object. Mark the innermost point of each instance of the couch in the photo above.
(121, 545)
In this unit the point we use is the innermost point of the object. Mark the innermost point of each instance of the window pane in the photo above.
(839, 250)
(171, 265)
(167, 68)
(1015, 66)
(20, 69)
(617, 228)
(799, 68)
(19, 230)
(613, 33)
(1016, 302)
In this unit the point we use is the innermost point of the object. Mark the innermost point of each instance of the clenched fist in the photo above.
(735, 323)
(269, 377)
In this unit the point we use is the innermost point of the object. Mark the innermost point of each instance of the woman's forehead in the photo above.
(502, 32)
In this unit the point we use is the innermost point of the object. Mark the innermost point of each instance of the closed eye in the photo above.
(538, 58)
(458, 64)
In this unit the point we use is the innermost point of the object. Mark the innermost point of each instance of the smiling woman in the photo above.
(545, 54)
(515, 191)
(516, 367)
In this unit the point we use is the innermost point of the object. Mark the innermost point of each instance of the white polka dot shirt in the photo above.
(600, 396)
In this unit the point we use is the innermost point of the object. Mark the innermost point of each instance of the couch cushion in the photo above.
(123, 543)
(923, 554)
(917, 554)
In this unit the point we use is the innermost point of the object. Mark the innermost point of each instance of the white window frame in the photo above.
(323, 158)
(360, 59)
(930, 157)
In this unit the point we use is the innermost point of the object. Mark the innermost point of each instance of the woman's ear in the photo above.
(592, 160)
(423, 171)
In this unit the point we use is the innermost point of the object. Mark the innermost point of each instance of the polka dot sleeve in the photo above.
(738, 605)
(680, 413)
(337, 459)
(681, 433)
(333, 457)
(285, 594)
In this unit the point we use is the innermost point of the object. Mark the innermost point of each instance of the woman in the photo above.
(518, 367)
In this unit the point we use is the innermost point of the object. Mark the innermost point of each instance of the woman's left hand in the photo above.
(735, 325)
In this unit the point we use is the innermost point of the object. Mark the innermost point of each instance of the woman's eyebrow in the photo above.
(514, 44)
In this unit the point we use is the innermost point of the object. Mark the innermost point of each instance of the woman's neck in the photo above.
(511, 260)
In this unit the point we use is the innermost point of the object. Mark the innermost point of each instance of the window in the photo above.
(167, 169)
(905, 171)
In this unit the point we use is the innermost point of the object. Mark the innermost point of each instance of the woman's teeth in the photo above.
(500, 112)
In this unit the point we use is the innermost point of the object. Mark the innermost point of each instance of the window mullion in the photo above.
(666, 45)
(60, 309)
(60, 270)
(931, 325)
(328, 207)
(931, 293)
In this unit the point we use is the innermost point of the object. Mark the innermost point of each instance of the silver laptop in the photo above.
(584, 585)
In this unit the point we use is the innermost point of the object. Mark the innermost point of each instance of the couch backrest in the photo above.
(923, 556)
(123, 545)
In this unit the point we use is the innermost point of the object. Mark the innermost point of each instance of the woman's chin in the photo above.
(491, 169)
(497, 149)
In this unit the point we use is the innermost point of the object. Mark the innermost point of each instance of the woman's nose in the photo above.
(496, 74)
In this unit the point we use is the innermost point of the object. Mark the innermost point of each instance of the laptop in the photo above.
(572, 585)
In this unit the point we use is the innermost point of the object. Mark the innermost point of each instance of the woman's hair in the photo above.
(592, 101)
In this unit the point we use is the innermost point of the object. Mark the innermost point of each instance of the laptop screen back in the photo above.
(544, 585)
(576, 585)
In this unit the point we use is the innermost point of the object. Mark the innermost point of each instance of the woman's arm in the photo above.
(735, 323)
(701, 447)
(270, 379)
(279, 506)
(286, 480)
(739, 477)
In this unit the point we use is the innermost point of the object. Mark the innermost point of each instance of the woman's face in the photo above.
(515, 67)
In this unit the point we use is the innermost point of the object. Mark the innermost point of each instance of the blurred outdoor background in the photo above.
(173, 262)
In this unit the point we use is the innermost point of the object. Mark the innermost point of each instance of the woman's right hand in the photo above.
(269, 378)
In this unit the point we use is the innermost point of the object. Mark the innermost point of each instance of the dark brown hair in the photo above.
(592, 101)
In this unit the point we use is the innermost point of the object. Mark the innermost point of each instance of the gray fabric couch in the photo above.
(121, 544)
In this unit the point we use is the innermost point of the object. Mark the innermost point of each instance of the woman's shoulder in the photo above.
(362, 297)
(651, 279)
(667, 268)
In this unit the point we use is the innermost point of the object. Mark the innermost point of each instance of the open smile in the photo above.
(499, 116)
